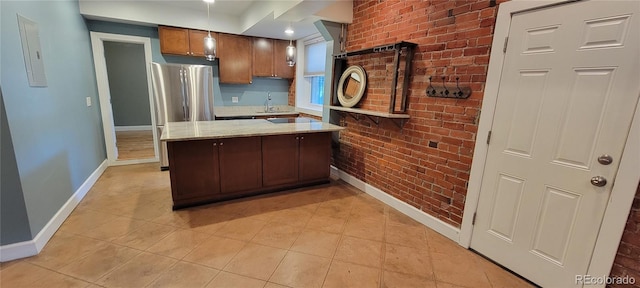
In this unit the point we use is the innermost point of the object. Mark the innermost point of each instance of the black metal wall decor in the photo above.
(399, 49)
(442, 91)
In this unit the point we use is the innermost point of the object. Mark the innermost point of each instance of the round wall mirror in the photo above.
(351, 86)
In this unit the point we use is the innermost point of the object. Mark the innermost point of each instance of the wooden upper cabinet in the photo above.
(263, 57)
(196, 41)
(182, 41)
(174, 40)
(234, 53)
(281, 68)
(269, 58)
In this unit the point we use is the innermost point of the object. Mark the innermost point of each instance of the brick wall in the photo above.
(427, 162)
(627, 260)
(292, 92)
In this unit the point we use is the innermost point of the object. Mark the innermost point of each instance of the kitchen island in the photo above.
(213, 161)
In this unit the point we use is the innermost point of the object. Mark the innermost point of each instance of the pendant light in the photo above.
(291, 50)
(291, 54)
(209, 42)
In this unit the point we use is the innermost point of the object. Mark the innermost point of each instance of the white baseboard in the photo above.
(18, 250)
(33, 247)
(434, 223)
(134, 128)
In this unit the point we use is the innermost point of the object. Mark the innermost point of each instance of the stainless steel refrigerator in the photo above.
(181, 93)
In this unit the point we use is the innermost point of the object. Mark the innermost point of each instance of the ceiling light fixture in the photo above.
(209, 42)
(288, 31)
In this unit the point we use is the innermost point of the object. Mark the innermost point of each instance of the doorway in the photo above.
(122, 66)
(562, 123)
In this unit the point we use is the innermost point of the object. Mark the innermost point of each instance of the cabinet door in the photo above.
(315, 156)
(282, 69)
(241, 164)
(263, 57)
(173, 40)
(196, 42)
(279, 160)
(194, 170)
(235, 59)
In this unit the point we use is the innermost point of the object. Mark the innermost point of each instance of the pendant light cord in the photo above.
(208, 20)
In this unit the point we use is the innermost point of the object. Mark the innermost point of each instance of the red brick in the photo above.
(399, 161)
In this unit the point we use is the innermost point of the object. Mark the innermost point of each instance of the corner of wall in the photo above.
(14, 222)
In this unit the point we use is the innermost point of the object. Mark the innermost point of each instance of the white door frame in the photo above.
(627, 178)
(97, 44)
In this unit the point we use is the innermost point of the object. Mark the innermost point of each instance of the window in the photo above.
(310, 90)
(317, 89)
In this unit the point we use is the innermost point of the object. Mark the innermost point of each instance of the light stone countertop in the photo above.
(253, 111)
(180, 131)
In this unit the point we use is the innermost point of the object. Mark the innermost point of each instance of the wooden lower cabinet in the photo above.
(194, 171)
(290, 159)
(280, 158)
(315, 156)
(204, 171)
(240, 165)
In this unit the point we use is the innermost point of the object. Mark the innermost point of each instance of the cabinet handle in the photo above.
(215, 144)
(221, 143)
(297, 138)
(302, 138)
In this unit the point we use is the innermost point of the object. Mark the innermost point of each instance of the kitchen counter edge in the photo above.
(220, 129)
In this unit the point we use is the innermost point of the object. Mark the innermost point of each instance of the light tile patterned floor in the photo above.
(124, 234)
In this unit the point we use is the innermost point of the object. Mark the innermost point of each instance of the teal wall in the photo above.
(248, 95)
(14, 222)
(57, 139)
(127, 74)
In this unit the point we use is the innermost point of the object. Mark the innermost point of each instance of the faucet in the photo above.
(267, 104)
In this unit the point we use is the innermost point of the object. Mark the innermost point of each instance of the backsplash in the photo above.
(254, 94)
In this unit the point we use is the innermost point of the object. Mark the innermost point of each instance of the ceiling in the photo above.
(264, 18)
(229, 7)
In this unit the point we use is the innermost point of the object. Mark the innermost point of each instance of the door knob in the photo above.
(605, 159)
(598, 181)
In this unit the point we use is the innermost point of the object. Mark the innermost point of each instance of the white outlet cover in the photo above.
(234, 99)
(88, 101)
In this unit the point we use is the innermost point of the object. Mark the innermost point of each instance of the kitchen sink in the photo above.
(276, 110)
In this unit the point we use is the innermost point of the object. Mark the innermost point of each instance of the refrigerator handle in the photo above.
(184, 94)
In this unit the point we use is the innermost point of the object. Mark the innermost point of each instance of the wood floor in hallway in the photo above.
(135, 144)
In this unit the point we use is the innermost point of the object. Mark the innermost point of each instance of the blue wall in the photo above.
(248, 95)
(14, 222)
(57, 139)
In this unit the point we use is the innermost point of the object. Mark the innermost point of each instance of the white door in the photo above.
(570, 84)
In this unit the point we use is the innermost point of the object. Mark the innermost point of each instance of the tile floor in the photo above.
(124, 234)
